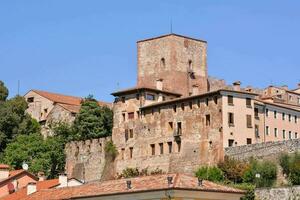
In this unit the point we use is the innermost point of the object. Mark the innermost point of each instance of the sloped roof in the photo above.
(60, 98)
(15, 173)
(139, 184)
(135, 89)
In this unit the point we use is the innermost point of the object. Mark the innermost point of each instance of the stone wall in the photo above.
(282, 193)
(269, 150)
(85, 160)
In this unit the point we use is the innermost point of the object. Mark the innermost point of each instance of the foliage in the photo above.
(210, 173)
(291, 167)
(267, 171)
(135, 172)
(233, 169)
(93, 121)
(41, 155)
(110, 149)
(14, 120)
(3, 91)
(249, 188)
(63, 130)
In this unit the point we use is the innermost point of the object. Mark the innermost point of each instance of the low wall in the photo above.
(269, 150)
(282, 193)
(85, 160)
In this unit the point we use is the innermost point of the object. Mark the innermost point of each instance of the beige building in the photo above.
(48, 108)
(154, 187)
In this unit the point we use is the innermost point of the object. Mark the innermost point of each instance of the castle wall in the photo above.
(85, 160)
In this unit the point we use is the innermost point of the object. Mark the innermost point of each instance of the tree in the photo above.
(41, 155)
(210, 173)
(92, 121)
(14, 120)
(3, 91)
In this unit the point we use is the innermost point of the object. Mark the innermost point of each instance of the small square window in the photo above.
(230, 100)
(30, 99)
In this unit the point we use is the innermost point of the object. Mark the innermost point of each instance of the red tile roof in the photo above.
(140, 184)
(15, 174)
(47, 184)
(3, 166)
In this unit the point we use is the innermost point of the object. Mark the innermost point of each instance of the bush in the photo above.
(111, 150)
(291, 167)
(210, 173)
(135, 172)
(249, 188)
(233, 169)
(267, 171)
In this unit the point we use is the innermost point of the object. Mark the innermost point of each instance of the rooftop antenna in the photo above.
(18, 87)
(171, 26)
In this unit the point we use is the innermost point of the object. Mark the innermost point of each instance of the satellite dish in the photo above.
(25, 166)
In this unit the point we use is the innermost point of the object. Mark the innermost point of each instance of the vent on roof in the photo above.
(128, 183)
(170, 180)
(200, 182)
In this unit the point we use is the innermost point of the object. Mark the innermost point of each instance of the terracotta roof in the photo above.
(196, 96)
(3, 166)
(135, 89)
(60, 98)
(71, 108)
(22, 193)
(282, 105)
(140, 184)
(14, 174)
(172, 34)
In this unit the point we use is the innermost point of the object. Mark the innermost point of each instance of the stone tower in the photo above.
(173, 62)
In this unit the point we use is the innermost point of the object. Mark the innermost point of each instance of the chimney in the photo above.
(63, 180)
(195, 90)
(159, 84)
(4, 171)
(237, 86)
(31, 188)
(41, 176)
(15, 182)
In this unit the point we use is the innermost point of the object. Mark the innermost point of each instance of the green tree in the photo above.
(3, 91)
(210, 173)
(14, 120)
(41, 155)
(291, 167)
(92, 121)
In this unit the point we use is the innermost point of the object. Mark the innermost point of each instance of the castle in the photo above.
(177, 118)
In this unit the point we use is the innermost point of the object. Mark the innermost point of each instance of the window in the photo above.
(150, 97)
(162, 62)
(122, 153)
(123, 99)
(230, 119)
(126, 135)
(178, 146)
(216, 99)
(161, 148)
(248, 102)
(182, 106)
(267, 112)
(190, 65)
(275, 114)
(170, 127)
(198, 103)
(137, 96)
(30, 99)
(124, 118)
(290, 117)
(290, 134)
(249, 141)
(230, 143)
(230, 100)
(164, 98)
(267, 130)
(130, 152)
(174, 108)
(296, 135)
(283, 116)
(130, 133)
(45, 110)
(249, 121)
(131, 115)
(296, 119)
(256, 113)
(283, 134)
(206, 101)
(207, 120)
(179, 128)
(152, 149)
(170, 147)
(191, 105)
(256, 131)
(275, 132)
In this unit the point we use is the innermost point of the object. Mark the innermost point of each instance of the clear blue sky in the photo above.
(87, 47)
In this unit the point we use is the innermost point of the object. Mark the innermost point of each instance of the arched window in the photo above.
(190, 65)
(162, 63)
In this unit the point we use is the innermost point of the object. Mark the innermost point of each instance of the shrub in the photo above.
(267, 171)
(135, 172)
(249, 188)
(111, 150)
(233, 169)
(291, 167)
(210, 173)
